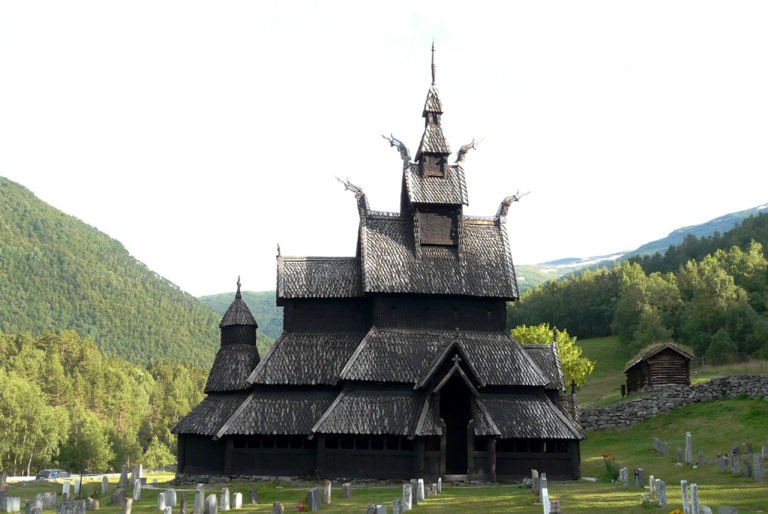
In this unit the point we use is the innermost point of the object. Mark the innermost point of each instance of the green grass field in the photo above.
(715, 427)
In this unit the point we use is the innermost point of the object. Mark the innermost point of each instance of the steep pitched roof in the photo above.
(408, 355)
(451, 189)
(529, 416)
(210, 415)
(306, 358)
(480, 266)
(546, 358)
(372, 411)
(432, 140)
(238, 312)
(318, 277)
(231, 368)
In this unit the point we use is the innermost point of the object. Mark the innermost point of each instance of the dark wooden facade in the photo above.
(658, 365)
(394, 363)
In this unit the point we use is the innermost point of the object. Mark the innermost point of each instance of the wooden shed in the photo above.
(395, 363)
(659, 364)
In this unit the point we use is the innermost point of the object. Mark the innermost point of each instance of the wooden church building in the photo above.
(393, 363)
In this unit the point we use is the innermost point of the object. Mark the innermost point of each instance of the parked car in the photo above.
(51, 474)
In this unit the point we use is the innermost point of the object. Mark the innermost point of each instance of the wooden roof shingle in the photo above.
(210, 415)
(318, 277)
(231, 368)
(546, 358)
(451, 189)
(529, 416)
(306, 358)
(480, 266)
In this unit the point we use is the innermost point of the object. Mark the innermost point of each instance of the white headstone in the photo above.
(688, 449)
(137, 490)
(439, 485)
(104, 485)
(407, 497)
(199, 505)
(225, 499)
(170, 498)
(420, 490)
(695, 508)
(211, 506)
(237, 501)
(168, 510)
(161, 502)
(684, 490)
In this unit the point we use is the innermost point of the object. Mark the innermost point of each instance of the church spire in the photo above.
(433, 141)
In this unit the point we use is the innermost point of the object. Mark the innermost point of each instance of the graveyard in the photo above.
(715, 428)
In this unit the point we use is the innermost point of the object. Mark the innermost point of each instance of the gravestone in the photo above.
(123, 482)
(211, 504)
(376, 509)
(118, 497)
(92, 504)
(47, 500)
(688, 449)
(327, 492)
(723, 463)
(11, 504)
(544, 494)
(554, 506)
(253, 495)
(652, 485)
(161, 502)
(277, 508)
(76, 486)
(136, 473)
(225, 499)
(33, 508)
(684, 491)
(104, 485)
(639, 477)
(745, 466)
(183, 503)
(170, 497)
(420, 490)
(397, 506)
(758, 467)
(695, 507)
(407, 497)
(237, 501)
(346, 490)
(127, 505)
(313, 499)
(414, 493)
(624, 476)
(137, 490)
(535, 482)
(735, 460)
(71, 507)
(679, 455)
(701, 460)
(661, 492)
(65, 490)
(199, 505)
(168, 510)
(439, 485)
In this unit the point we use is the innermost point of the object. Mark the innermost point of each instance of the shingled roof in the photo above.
(318, 277)
(238, 312)
(210, 414)
(306, 358)
(433, 140)
(546, 358)
(407, 355)
(231, 368)
(451, 189)
(529, 416)
(480, 266)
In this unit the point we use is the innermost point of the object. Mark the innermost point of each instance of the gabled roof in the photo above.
(373, 411)
(210, 415)
(481, 265)
(650, 351)
(278, 412)
(451, 189)
(306, 358)
(318, 277)
(231, 368)
(546, 358)
(408, 356)
(529, 416)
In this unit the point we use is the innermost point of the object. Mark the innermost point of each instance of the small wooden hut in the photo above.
(394, 363)
(659, 364)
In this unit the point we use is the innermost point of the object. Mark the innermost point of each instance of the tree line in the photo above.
(710, 294)
(64, 403)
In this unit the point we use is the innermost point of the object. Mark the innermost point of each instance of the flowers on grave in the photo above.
(611, 473)
(301, 507)
(677, 511)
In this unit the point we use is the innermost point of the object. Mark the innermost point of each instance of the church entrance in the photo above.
(456, 412)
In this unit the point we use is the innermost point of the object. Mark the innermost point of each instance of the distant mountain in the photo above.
(58, 273)
(262, 305)
(531, 275)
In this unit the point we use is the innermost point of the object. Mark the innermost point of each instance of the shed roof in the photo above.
(654, 349)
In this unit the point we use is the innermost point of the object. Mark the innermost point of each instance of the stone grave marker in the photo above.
(104, 485)
(758, 467)
(170, 497)
(535, 482)
(137, 490)
(688, 449)
(118, 497)
(71, 507)
(11, 504)
(327, 486)
(661, 492)
(127, 505)
(701, 461)
(237, 501)
(397, 506)
(225, 499)
(277, 508)
(639, 478)
(414, 492)
(652, 485)
(439, 485)
(723, 463)
(727, 509)
(407, 497)
(211, 504)
(3, 481)
(199, 505)
(684, 491)
(313, 499)
(65, 490)
(695, 507)
(47, 500)
(554, 506)
(624, 476)
(168, 509)
(679, 455)
(376, 509)
(544, 494)
(92, 504)
(253, 495)
(183, 503)
(33, 508)
(420, 490)
(123, 482)
(136, 473)
(346, 490)
(161, 502)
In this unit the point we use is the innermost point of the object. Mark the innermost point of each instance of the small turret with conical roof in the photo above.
(238, 355)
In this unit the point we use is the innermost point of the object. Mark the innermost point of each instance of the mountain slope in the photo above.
(58, 273)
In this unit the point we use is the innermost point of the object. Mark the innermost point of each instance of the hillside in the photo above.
(58, 273)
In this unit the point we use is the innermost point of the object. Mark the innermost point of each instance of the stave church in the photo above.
(393, 363)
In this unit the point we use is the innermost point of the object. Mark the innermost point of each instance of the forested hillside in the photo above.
(57, 273)
(63, 403)
(709, 293)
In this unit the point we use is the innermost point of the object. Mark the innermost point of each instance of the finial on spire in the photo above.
(237, 294)
(433, 62)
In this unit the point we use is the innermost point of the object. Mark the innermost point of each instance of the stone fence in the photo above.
(664, 399)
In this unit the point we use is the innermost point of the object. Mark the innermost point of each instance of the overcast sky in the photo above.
(202, 134)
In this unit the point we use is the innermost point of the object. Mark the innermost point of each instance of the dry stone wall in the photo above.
(666, 398)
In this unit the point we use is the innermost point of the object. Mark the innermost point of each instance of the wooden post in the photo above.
(492, 460)
(471, 471)
(443, 446)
